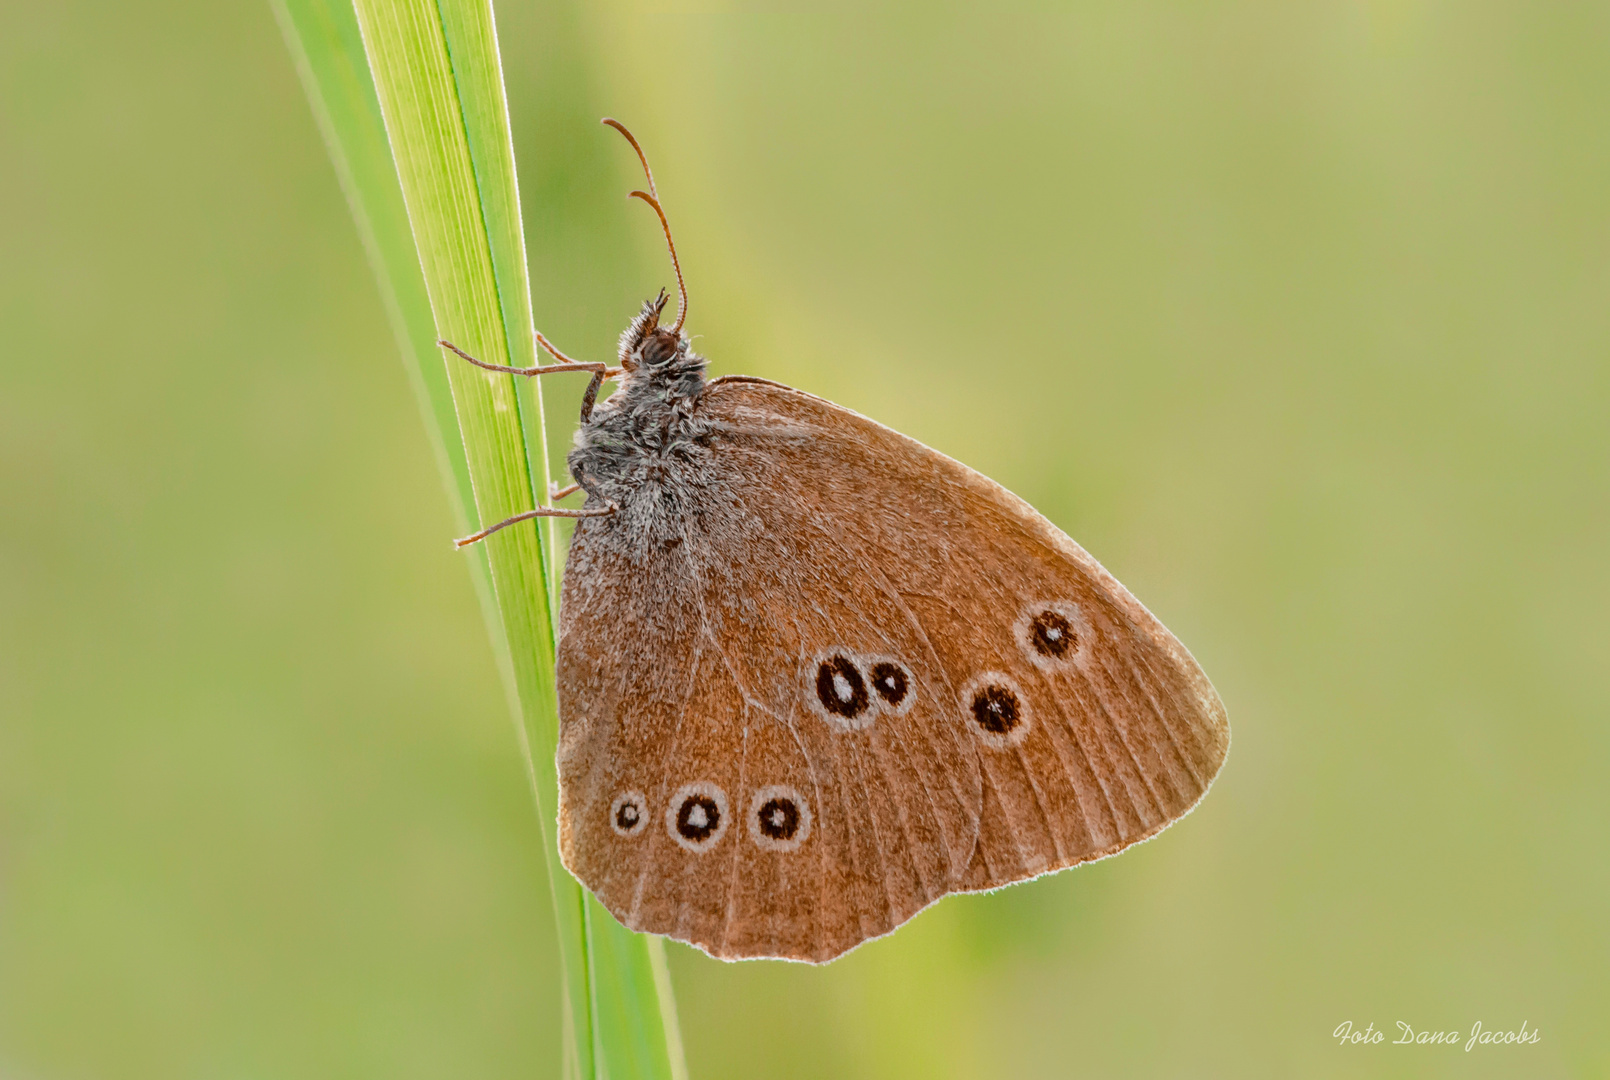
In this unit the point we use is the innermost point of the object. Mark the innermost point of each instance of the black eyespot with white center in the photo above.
(891, 683)
(840, 687)
(1053, 634)
(629, 813)
(779, 818)
(696, 817)
(997, 709)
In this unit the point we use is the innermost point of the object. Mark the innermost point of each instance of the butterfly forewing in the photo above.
(1116, 731)
(890, 677)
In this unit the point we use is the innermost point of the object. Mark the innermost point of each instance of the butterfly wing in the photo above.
(948, 691)
(700, 795)
(1117, 732)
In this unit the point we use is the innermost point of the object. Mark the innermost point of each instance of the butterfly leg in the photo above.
(603, 371)
(539, 512)
(600, 373)
(591, 396)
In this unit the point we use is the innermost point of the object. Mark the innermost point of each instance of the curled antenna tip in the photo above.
(642, 157)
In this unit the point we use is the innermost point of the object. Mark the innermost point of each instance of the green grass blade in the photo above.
(410, 98)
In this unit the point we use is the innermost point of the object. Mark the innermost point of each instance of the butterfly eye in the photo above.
(779, 818)
(997, 709)
(658, 348)
(697, 816)
(629, 813)
(842, 691)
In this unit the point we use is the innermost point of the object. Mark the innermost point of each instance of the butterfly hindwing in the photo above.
(693, 674)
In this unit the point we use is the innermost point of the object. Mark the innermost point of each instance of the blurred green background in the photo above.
(1294, 315)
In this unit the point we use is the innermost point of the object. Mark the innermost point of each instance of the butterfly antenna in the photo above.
(620, 127)
(652, 197)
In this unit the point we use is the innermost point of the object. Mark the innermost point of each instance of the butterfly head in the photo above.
(648, 350)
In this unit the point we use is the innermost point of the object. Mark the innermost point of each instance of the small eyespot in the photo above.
(841, 691)
(1052, 633)
(891, 682)
(697, 816)
(629, 813)
(997, 709)
(779, 818)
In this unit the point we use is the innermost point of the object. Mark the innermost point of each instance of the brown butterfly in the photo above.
(813, 675)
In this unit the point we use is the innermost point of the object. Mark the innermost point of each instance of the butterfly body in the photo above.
(814, 675)
(645, 450)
